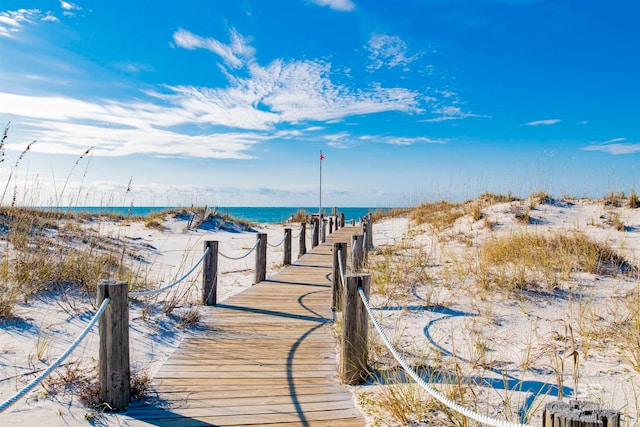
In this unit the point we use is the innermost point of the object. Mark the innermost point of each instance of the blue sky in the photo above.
(230, 102)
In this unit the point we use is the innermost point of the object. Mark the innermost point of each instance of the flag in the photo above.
(321, 156)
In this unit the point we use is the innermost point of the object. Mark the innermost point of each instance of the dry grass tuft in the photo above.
(522, 259)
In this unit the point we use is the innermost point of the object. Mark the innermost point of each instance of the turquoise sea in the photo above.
(263, 215)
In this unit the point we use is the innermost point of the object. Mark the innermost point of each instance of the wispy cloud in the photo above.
(12, 21)
(399, 140)
(451, 112)
(614, 146)
(543, 122)
(340, 5)
(232, 54)
(69, 8)
(388, 51)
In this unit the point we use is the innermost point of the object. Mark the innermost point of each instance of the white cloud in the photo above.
(451, 113)
(388, 51)
(341, 5)
(399, 140)
(12, 21)
(258, 103)
(614, 146)
(232, 54)
(543, 122)
(69, 6)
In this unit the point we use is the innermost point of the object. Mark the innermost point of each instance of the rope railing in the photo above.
(37, 380)
(277, 244)
(484, 419)
(240, 257)
(171, 285)
(297, 235)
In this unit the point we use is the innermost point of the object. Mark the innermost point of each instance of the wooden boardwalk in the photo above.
(267, 356)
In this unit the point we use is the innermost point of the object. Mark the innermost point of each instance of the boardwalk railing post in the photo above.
(210, 274)
(315, 239)
(365, 237)
(341, 220)
(287, 247)
(114, 371)
(339, 255)
(358, 252)
(302, 249)
(369, 242)
(323, 222)
(355, 323)
(330, 224)
(261, 258)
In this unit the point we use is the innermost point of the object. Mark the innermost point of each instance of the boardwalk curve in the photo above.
(267, 356)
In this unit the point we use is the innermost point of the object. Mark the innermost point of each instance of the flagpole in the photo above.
(320, 209)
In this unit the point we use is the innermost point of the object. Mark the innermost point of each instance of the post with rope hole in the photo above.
(114, 372)
(358, 251)
(302, 248)
(287, 247)
(355, 323)
(579, 414)
(341, 220)
(210, 274)
(339, 258)
(330, 224)
(261, 258)
(315, 238)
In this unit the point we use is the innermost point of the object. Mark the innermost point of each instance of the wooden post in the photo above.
(330, 224)
(334, 211)
(369, 242)
(339, 254)
(287, 247)
(261, 258)
(341, 220)
(365, 237)
(578, 413)
(210, 274)
(358, 252)
(302, 249)
(323, 222)
(315, 239)
(114, 371)
(355, 323)
(353, 222)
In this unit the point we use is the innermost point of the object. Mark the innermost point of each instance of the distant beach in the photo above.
(261, 215)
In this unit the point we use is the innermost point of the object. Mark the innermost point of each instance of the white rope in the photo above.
(299, 233)
(364, 240)
(240, 257)
(353, 250)
(171, 285)
(484, 419)
(13, 399)
(341, 267)
(277, 244)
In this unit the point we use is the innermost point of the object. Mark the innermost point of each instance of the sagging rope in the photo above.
(171, 285)
(240, 257)
(37, 380)
(484, 419)
(299, 233)
(277, 244)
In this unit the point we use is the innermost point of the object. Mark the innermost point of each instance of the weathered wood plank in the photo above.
(266, 356)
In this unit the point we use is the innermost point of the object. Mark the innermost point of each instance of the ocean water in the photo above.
(273, 215)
